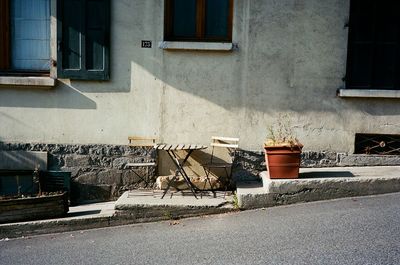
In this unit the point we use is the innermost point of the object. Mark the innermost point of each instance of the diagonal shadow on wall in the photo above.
(62, 97)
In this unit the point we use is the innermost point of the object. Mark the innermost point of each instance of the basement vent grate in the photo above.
(378, 144)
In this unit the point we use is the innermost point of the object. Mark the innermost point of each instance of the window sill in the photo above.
(368, 93)
(27, 81)
(197, 46)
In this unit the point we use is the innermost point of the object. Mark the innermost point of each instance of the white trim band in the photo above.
(368, 93)
(202, 46)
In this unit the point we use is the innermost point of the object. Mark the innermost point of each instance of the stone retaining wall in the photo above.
(98, 171)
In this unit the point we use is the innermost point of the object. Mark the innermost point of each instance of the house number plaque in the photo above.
(146, 43)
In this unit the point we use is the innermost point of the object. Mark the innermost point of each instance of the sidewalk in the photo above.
(146, 206)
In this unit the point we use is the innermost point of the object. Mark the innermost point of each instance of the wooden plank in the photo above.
(33, 208)
(225, 145)
(142, 141)
(28, 206)
(230, 21)
(168, 19)
(141, 138)
(174, 147)
(200, 18)
(180, 147)
(221, 138)
(160, 146)
(167, 147)
(140, 164)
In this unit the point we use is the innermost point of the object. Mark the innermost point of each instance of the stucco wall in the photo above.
(291, 59)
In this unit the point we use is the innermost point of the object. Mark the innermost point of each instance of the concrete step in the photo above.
(316, 184)
(148, 204)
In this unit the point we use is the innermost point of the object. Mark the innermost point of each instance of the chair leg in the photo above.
(227, 182)
(207, 171)
(202, 190)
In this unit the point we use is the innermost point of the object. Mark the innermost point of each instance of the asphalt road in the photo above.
(348, 231)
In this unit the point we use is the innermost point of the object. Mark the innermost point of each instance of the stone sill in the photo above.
(196, 46)
(33, 81)
(368, 93)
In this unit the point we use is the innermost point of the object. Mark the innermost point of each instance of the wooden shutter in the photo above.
(4, 34)
(83, 36)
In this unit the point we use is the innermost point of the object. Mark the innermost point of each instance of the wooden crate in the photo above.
(24, 209)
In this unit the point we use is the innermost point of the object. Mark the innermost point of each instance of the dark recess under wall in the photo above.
(379, 144)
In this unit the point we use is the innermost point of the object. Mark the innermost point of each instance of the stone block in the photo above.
(129, 177)
(75, 171)
(101, 161)
(369, 160)
(23, 160)
(109, 177)
(87, 178)
(90, 193)
(77, 161)
(120, 162)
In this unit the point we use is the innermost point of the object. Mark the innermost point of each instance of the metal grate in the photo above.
(380, 144)
(57, 181)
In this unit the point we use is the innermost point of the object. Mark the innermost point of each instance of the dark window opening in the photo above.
(198, 20)
(373, 60)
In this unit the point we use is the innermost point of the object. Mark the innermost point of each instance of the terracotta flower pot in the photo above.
(283, 162)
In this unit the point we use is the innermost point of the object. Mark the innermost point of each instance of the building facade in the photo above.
(130, 67)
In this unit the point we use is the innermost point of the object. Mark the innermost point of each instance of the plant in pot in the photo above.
(282, 150)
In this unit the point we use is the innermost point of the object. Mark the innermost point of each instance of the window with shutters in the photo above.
(82, 38)
(198, 20)
(373, 60)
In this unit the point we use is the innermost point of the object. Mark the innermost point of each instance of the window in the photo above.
(25, 32)
(82, 38)
(198, 20)
(373, 60)
(83, 28)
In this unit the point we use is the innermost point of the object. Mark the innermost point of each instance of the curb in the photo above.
(138, 215)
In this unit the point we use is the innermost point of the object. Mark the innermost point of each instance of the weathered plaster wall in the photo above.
(291, 59)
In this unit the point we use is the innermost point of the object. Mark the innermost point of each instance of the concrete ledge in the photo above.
(132, 200)
(27, 81)
(368, 160)
(147, 205)
(368, 93)
(319, 184)
(203, 46)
